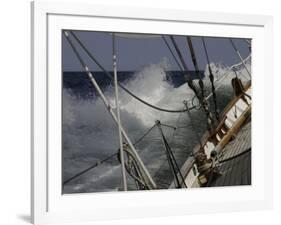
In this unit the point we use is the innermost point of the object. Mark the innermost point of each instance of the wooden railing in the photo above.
(211, 137)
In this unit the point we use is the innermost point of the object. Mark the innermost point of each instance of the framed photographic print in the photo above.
(138, 116)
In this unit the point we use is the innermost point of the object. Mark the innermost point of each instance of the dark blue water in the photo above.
(92, 135)
(80, 85)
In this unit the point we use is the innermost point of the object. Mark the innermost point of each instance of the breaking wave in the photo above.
(89, 133)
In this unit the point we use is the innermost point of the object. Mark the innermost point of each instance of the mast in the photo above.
(109, 108)
(194, 60)
(118, 114)
(211, 77)
(134, 165)
(193, 88)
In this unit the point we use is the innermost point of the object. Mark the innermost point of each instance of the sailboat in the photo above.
(222, 156)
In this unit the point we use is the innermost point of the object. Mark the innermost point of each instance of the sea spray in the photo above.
(89, 133)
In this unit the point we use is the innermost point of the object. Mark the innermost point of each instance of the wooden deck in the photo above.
(235, 166)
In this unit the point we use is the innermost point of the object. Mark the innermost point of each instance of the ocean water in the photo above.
(90, 134)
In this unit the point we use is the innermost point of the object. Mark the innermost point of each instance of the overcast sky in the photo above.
(135, 53)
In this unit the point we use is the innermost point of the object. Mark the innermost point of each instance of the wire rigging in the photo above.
(193, 127)
(171, 159)
(211, 77)
(176, 127)
(89, 168)
(235, 156)
(239, 55)
(133, 169)
(223, 77)
(106, 159)
(114, 59)
(192, 87)
(194, 60)
(147, 175)
(132, 165)
(172, 53)
(119, 84)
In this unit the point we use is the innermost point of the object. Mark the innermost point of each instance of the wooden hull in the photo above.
(236, 114)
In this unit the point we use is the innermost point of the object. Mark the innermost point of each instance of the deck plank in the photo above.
(238, 170)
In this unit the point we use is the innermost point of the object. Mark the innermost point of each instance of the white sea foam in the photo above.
(88, 128)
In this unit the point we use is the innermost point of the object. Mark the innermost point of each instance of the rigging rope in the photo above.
(249, 44)
(92, 79)
(240, 85)
(176, 127)
(173, 135)
(193, 127)
(144, 135)
(89, 168)
(223, 77)
(239, 55)
(155, 107)
(211, 77)
(172, 53)
(247, 41)
(193, 57)
(166, 125)
(105, 159)
(133, 169)
(171, 159)
(192, 87)
(235, 156)
(119, 84)
(114, 59)
(187, 74)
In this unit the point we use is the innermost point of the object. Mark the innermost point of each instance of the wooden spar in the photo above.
(226, 138)
(108, 106)
(181, 57)
(194, 60)
(186, 168)
(124, 180)
(148, 177)
(134, 170)
(193, 57)
(233, 130)
(223, 117)
(193, 88)
(211, 77)
(233, 101)
(119, 84)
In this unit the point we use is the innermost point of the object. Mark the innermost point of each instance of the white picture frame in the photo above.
(48, 205)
